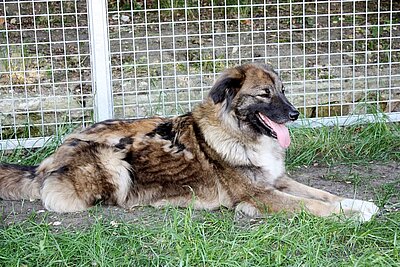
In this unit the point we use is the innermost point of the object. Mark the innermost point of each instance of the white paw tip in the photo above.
(364, 209)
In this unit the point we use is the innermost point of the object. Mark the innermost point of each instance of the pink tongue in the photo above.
(281, 131)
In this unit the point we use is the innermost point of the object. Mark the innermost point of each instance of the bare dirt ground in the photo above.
(379, 182)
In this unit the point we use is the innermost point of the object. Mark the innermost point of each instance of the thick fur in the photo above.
(221, 154)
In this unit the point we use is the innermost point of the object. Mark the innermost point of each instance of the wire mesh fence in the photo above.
(337, 58)
(45, 78)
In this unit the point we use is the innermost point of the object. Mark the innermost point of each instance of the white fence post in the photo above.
(100, 59)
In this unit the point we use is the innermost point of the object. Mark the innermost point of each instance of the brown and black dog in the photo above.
(229, 151)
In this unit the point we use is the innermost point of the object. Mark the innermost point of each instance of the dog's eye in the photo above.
(264, 95)
(267, 94)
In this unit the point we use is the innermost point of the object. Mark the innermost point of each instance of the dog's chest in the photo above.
(268, 157)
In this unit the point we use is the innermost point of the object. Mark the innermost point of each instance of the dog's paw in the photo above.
(363, 210)
(247, 209)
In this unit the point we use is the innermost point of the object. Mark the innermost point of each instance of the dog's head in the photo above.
(254, 96)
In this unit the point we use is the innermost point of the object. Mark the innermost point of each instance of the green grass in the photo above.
(358, 143)
(183, 237)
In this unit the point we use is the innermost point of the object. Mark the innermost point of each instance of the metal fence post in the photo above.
(100, 59)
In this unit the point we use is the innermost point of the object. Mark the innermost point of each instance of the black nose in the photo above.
(293, 115)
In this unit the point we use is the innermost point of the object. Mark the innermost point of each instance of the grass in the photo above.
(184, 237)
(358, 143)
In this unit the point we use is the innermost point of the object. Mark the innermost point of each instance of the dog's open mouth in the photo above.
(278, 131)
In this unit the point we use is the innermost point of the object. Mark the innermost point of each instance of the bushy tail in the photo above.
(18, 182)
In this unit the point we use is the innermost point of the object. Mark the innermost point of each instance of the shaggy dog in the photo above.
(229, 151)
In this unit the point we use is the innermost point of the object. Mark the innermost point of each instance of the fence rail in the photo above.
(66, 62)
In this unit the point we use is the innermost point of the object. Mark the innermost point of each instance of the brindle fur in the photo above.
(218, 155)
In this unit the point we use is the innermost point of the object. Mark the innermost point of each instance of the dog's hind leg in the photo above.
(90, 173)
(59, 195)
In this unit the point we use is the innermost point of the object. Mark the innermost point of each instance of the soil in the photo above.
(377, 181)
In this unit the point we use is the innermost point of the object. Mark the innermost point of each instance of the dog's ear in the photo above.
(227, 85)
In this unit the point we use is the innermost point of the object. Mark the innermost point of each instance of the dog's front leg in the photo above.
(273, 200)
(366, 209)
(290, 186)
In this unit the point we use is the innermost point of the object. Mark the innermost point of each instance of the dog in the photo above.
(229, 151)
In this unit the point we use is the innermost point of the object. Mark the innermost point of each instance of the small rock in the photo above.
(125, 18)
(114, 224)
(234, 49)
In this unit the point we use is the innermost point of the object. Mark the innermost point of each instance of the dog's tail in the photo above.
(18, 182)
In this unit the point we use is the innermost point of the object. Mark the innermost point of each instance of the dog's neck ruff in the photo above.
(227, 147)
(227, 139)
(265, 154)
